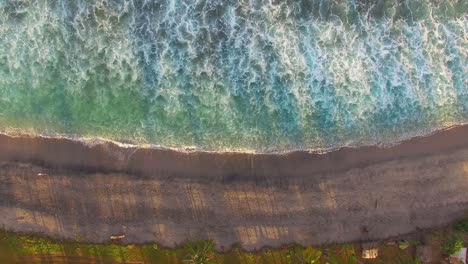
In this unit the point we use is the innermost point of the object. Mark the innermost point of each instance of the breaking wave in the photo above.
(220, 75)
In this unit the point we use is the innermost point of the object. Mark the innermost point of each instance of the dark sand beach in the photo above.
(67, 189)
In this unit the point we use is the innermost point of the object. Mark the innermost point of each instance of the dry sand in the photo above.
(66, 189)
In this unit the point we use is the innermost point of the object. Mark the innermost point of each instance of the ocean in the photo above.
(234, 75)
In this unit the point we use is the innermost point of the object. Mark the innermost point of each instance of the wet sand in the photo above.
(67, 189)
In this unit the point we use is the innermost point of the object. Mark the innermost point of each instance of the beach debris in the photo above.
(454, 260)
(460, 256)
(117, 238)
(425, 254)
(42, 174)
(370, 250)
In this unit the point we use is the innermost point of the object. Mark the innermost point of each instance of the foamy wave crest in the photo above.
(252, 75)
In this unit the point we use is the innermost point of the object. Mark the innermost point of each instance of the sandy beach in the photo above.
(67, 189)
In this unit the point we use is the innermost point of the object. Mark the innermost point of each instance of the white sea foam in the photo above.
(234, 75)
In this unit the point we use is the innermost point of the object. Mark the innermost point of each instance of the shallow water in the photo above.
(221, 75)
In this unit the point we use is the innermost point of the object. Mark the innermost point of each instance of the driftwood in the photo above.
(117, 238)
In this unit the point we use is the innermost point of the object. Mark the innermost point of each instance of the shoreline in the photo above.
(92, 141)
(63, 188)
(108, 156)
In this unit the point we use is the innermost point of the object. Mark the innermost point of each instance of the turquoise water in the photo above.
(234, 74)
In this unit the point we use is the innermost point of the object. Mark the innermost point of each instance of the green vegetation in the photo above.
(452, 245)
(34, 249)
(200, 252)
(342, 255)
(462, 226)
(407, 260)
(20, 248)
(303, 255)
(403, 244)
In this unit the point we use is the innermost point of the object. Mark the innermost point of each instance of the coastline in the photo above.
(64, 188)
(92, 141)
(108, 156)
